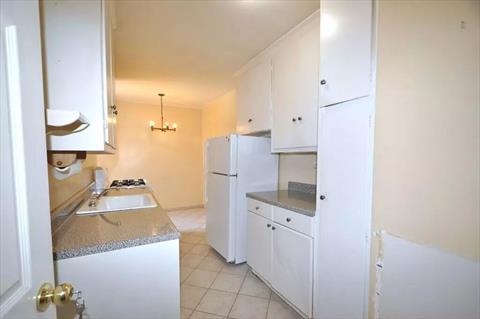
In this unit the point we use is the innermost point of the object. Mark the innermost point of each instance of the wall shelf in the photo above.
(63, 122)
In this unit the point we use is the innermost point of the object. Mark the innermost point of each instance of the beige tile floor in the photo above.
(212, 288)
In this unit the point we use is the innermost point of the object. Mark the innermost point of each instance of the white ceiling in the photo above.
(190, 49)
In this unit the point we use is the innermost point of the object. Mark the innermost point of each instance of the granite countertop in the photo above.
(299, 197)
(91, 234)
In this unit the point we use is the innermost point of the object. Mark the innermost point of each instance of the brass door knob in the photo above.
(59, 295)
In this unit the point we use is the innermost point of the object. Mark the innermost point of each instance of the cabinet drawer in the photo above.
(260, 208)
(293, 220)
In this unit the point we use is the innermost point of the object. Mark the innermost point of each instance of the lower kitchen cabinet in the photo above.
(283, 257)
(260, 237)
(135, 282)
(292, 267)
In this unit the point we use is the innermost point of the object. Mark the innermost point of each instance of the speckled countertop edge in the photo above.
(105, 247)
(294, 199)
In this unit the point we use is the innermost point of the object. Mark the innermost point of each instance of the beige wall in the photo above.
(62, 190)
(219, 117)
(426, 175)
(171, 162)
(426, 162)
(427, 134)
(297, 168)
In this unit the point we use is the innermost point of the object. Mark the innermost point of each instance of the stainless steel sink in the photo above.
(107, 204)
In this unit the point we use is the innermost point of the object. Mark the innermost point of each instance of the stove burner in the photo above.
(125, 183)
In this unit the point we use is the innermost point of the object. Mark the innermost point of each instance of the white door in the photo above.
(254, 99)
(259, 239)
(345, 50)
(221, 155)
(220, 223)
(25, 234)
(342, 237)
(292, 267)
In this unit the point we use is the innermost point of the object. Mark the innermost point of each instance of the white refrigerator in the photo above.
(235, 165)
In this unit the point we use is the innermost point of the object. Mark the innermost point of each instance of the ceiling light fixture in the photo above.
(165, 127)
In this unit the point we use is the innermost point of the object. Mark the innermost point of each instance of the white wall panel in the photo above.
(419, 281)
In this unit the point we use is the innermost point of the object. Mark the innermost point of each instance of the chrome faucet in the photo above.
(95, 197)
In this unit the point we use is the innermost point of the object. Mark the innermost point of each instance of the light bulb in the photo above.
(151, 124)
(174, 125)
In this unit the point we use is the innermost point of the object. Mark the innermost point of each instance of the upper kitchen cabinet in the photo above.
(78, 71)
(345, 50)
(254, 110)
(324, 61)
(295, 88)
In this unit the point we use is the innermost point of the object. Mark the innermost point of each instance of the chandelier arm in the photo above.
(161, 106)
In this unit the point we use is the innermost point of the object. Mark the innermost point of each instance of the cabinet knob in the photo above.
(323, 82)
(299, 118)
(269, 225)
(114, 107)
(250, 120)
(257, 208)
(294, 119)
(322, 197)
(273, 227)
(115, 112)
(289, 219)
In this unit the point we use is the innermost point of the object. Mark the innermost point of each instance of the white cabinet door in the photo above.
(345, 50)
(259, 255)
(342, 244)
(254, 99)
(109, 78)
(292, 265)
(283, 97)
(295, 89)
(78, 70)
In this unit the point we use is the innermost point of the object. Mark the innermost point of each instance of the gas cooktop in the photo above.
(128, 183)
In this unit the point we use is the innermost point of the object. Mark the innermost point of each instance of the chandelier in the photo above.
(165, 126)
